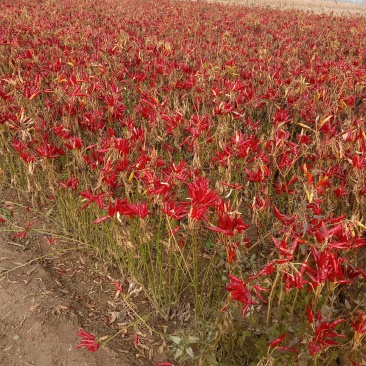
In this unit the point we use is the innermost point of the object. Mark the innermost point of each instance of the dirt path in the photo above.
(37, 326)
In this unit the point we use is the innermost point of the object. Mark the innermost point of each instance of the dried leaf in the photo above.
(113, 316)
(192, 339)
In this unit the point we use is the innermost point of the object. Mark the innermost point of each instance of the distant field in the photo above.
(309, 5)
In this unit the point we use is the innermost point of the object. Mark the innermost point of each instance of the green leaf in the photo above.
(335, 355)
(178, 353)
(209, 245)
(16, 337)
(175, 339)
(189, 351)
(6, 211)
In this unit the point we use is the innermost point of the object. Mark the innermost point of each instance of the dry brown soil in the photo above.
(47, 295)
(37, 323)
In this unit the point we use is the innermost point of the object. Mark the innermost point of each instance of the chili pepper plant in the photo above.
(215, 153)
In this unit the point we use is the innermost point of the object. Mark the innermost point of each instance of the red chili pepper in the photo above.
(277, 341)
(88, 341)
(310, 314)
(118, 287)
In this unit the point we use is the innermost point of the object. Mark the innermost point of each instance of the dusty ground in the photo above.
(317, 6)
(48, 295)
(37, 325)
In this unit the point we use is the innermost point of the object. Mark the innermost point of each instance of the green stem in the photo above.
(271, 298)
(294, 302)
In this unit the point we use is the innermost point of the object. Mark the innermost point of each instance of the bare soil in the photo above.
(47, 295)
(37, 322)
